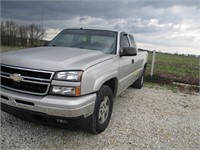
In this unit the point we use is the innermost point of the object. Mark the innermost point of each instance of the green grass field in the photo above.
(175, 67)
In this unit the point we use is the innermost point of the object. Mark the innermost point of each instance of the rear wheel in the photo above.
(102, 111)
(139, 82)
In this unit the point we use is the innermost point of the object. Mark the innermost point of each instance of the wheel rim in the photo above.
(104, 110)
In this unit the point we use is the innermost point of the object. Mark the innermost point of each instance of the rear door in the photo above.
(137, 67)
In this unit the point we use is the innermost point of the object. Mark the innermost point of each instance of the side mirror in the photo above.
(46, 43)
(128, 51)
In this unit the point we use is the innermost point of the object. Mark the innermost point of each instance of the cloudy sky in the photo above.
(162, 25)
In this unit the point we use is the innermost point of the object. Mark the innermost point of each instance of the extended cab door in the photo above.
(127, 64)
(138, 61)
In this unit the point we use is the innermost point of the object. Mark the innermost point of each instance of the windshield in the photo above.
(98, 40)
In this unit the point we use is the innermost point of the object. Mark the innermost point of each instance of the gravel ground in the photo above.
(142, 119)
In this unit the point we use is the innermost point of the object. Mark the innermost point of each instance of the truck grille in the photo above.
(28, 73)
(32, 81)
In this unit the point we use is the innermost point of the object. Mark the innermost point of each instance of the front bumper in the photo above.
(44, 119)
(60, 106)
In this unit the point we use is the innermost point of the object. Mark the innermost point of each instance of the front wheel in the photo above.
(102, 111)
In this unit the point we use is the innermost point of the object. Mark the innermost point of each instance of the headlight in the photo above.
(69, 75)
(67, 91)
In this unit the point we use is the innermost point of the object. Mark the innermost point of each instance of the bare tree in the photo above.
(11, 28)
(3, 29)
(36, 33)
(23, 31)
(23, 35)
(14, 34)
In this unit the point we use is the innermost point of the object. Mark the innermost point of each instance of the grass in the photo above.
(175, 65)
(170, 68)
(10, 48)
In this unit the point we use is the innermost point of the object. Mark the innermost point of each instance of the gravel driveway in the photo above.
(142, 119)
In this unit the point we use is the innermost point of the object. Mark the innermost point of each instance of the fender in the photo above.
(100, 81)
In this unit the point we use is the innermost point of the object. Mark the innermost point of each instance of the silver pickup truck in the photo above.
(72, 81)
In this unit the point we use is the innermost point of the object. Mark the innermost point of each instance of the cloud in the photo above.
(110, 9)
(171, 23)
(50, 33)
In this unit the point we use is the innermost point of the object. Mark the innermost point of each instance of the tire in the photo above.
(139, 82)
(102, 111)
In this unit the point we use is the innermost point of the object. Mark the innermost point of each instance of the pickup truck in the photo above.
(73, 80)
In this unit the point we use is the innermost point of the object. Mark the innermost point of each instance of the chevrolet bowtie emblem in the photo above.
(16, 77)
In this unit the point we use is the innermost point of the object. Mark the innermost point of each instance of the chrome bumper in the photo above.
(50, 104)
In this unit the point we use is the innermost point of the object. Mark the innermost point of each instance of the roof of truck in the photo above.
(92, 28)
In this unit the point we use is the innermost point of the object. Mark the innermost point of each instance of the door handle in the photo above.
(133, 61)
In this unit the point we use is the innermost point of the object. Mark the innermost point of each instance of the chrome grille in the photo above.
(33, 81)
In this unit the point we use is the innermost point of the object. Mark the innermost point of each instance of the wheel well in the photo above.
(145, 67)
(113, 84)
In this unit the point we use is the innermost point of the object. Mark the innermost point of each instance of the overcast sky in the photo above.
(163, 25)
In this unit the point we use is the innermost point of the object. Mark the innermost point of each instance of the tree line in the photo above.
(13, 34)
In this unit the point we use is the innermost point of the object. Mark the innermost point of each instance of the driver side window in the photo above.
(124, 41)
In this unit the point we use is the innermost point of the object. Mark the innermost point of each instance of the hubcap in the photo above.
(104, 110)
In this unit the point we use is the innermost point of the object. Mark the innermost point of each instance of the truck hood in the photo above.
(54, 58)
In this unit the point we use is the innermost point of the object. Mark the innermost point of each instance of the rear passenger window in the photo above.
(132, 41)
(124, 41)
